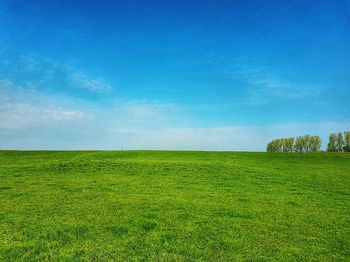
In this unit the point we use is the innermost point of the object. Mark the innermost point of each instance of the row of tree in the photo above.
(339, 142)
(300, 144)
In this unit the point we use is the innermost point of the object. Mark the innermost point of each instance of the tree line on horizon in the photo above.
(339, 142)
(302, 144)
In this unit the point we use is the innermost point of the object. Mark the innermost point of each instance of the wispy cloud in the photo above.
(66, 123)
(261, 83)
(216, 138)
(143, 109)
(42, 72)
(242, 138)
(82, 80)
(16, 115)
(264, 86)
(108, 136)
(132, 123)
(22, 108)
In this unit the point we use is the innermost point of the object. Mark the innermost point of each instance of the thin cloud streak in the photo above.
(32, 120)
(265, 87)
(42, 72)
(229, 138)
(233, 138)
(82, 80)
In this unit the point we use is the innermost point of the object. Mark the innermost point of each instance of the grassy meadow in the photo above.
(174, 206)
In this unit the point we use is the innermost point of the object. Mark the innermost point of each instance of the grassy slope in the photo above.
(139, 205)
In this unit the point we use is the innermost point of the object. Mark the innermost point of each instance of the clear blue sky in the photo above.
(213, 75)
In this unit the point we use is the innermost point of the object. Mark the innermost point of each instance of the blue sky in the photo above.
(208, 75)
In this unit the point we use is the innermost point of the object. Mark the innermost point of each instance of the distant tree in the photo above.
(269, 147)
(340, 142)
(347, 141)
(273, 145)
(303, 143)
(299, 144)
(332, 146)
(278, 145)
(283, 145)
(306, 143)
(289, 144)
(315, 143)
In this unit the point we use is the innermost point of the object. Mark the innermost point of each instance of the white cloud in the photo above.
(42, 72)
(230, 138)
(266, 88)
(21, 108)
(18, 115)
(265, 84)
(261, 84)
(32, 120)
(82, 80)
(143, 109)
(218, 138)
(52, 124)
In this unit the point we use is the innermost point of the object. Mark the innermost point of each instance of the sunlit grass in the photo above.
(174, 206)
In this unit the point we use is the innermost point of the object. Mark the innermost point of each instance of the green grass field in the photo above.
(174, 206)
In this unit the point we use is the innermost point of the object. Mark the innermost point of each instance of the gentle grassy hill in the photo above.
(174, 206)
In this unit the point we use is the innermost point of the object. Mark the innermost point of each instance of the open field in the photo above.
(174, 206)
